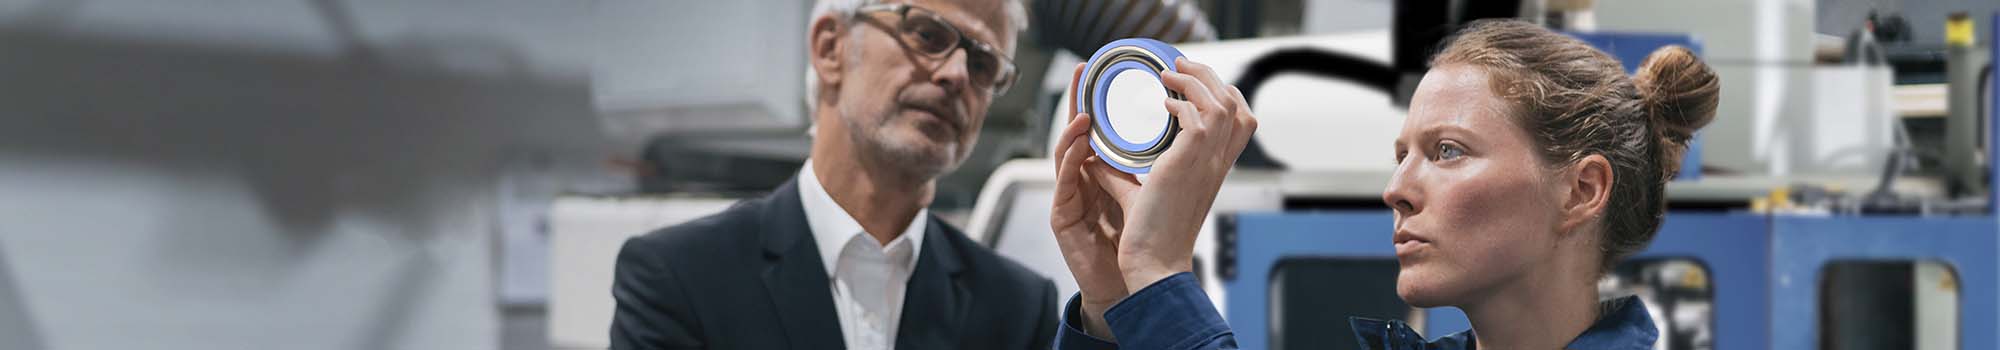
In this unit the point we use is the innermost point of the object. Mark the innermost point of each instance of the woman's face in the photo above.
(1474, 206)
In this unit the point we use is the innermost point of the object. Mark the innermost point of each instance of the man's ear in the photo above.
(1590, 181)
(825, 44)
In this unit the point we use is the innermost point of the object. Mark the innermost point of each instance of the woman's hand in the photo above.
(1164, 215)
(1086, 221)
(1118, 235)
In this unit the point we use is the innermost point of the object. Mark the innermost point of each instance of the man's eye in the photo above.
(930, 36)
(1448, 151)
(981, 64)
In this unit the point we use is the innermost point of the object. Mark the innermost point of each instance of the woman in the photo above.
(1529, 165)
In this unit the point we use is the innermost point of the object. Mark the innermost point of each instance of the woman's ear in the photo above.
(1589, 191)
(825, 45)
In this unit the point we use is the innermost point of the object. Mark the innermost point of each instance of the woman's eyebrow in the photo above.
(1438, 131)
(1435, 131)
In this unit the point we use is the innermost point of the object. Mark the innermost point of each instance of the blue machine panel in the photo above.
(1804, 246)
(1736, 249)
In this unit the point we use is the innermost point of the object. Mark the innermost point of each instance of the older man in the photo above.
(846, 254)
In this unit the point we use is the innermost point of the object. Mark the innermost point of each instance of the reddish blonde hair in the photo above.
(1576, 101)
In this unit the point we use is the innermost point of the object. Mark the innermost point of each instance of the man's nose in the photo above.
(951, 73)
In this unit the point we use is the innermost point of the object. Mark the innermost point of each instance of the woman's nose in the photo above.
(1403, 193)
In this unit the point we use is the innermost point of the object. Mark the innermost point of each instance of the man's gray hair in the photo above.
(1017, 13)
(1017, 18)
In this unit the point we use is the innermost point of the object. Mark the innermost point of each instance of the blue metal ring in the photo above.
(1153, 57)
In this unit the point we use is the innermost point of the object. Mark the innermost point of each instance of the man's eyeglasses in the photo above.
(926, 33)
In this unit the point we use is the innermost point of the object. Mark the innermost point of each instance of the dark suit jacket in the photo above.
(751, 278)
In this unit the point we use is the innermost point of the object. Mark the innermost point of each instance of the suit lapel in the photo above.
(794, 275)
(936, 300)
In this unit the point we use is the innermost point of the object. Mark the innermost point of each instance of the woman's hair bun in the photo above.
(1679, 94)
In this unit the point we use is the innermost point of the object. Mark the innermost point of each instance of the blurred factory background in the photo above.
(421, 174)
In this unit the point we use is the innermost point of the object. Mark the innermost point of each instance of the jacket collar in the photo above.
(798, 283)
(792, 274)
(1624, 324)
(937, 299)
(833, 228)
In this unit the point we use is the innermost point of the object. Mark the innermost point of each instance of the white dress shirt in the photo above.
(866, 276)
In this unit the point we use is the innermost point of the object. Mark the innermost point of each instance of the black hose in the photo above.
(1313, 62)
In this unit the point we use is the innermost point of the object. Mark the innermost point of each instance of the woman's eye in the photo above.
(1448, 151)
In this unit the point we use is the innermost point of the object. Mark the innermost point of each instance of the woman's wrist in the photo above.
(1142, 271)
(1149, 258)
(1093, 320)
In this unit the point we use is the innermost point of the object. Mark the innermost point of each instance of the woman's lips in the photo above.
(1411, 247)
(1409, 243)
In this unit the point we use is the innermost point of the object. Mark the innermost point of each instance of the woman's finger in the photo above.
(1073, 191)
(1202, 72)
(1236, 95)
(1246, 125)
(1073, 157)
(1189, 117)
(1246, 122)
(1118, 184)
(1191, 89)
(1069, 163)
(1074, 87)
(1072, 112)
(1078, 125)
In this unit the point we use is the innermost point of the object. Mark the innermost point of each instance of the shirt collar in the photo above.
(832, 227)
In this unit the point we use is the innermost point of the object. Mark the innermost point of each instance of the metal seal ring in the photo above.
(1138, 54)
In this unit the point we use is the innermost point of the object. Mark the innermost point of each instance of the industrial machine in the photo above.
(1297, 240)
(1292, 250)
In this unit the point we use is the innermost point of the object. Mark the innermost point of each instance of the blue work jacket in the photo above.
(1175, 314)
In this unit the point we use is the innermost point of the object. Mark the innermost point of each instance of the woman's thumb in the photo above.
(1120, 185)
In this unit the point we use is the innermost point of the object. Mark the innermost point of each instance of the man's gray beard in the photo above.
(910, 160)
